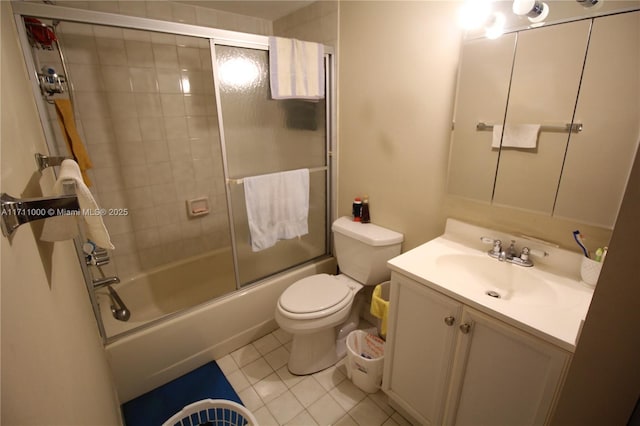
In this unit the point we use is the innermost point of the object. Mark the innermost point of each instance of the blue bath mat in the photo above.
(156, 406)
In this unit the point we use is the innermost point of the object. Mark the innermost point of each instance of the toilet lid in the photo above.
(313, 294)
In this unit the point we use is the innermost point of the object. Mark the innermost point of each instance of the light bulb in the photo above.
(474, 13)
(496, 29)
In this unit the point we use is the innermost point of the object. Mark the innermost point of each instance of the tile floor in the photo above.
(258, 372)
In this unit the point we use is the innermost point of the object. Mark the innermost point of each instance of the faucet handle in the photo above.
(497, 244)
(524, 254)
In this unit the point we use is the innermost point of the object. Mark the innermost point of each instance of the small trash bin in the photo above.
(365, 359)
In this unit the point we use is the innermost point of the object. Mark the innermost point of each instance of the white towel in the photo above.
(516, 136)
(296, 69)
(60, 229)
(277, 207)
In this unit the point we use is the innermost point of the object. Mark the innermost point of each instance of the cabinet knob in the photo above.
(449, 320)
(465, 328)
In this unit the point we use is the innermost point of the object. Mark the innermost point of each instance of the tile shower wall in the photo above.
(317, 22)
(146, 110)
(175, 12)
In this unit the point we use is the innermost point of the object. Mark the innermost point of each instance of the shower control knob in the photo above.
(465, 328)
(449, 320)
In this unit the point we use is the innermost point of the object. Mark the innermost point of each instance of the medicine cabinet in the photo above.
(581, 82)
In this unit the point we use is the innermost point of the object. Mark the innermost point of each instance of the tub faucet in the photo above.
(103, 282)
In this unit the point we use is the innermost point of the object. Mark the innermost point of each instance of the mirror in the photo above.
(544, 88)
(547, 77)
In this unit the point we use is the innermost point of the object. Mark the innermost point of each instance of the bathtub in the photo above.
(168, 289)
(177, 343)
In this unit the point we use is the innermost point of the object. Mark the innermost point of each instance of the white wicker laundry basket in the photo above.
(214, 412)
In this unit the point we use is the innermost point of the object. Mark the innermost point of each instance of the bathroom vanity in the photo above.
(475, 340)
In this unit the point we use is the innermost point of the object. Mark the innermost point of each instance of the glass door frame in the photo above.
(215, 36)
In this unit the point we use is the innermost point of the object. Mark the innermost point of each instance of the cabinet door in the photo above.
(600, 157)
(544, 87)
(420, 346)
(502, 376)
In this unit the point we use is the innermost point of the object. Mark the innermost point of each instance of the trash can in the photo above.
(365, 359)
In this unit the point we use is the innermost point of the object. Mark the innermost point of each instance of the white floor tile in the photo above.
(282, 336)
(289, 379)
(326, 410)
(277, 358)
(367, 413)
(285, 407)
(390, 422)
(238, 381)
(257, 370)
(258, 373)
(270, 387)
(227, 364)
(347, 420)
(251, 399)
(347, 394)
(381, 399)
(266, 344)
(308, 391)
(329, 378)
(245, 355)
(302, 419)
(265, 418)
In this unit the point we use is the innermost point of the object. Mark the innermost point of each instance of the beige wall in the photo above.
(397, 73)
(54, 369)
(603, 383)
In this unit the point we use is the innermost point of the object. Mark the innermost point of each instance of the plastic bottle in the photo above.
(357, 209)
(365, 216)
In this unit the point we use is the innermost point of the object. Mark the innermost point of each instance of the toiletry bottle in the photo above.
(366, 217)
(357, 209)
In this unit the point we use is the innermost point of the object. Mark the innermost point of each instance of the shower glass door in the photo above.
(146, 110)
(262, 136)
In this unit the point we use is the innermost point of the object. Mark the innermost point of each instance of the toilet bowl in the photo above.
(316, 310)
(310, 310)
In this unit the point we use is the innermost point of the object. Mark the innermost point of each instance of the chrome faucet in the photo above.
(511, 255)
(105, 282)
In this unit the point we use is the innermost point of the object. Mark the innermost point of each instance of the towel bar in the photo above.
(240, 181)
(568, 127)
(44, 161)
(16, 211)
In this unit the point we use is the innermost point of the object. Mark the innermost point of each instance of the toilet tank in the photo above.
(363, 249)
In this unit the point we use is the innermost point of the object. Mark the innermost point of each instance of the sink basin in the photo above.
(498, 280)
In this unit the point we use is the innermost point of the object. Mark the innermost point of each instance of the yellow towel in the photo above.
(71, 136)
(380, 308)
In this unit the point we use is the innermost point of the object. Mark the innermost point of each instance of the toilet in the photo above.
(319, 310)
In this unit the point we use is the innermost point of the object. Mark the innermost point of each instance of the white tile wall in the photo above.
(149, 122)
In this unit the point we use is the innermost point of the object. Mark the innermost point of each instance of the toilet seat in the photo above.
(314, 297)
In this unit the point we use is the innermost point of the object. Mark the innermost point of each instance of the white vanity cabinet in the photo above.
(448, 363)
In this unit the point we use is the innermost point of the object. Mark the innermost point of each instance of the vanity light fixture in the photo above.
(496, 25)
(587, 4)
(537, 11)
(473, 14)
